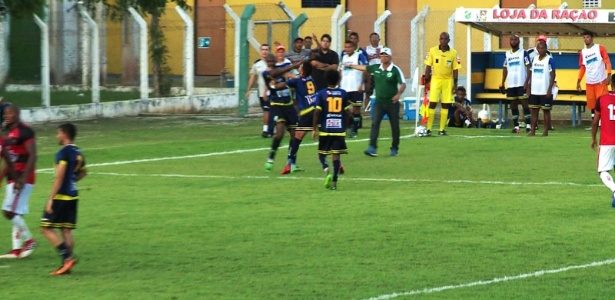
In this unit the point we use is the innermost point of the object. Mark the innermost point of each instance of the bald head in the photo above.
(11, 115)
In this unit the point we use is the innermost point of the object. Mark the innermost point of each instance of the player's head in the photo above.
(306, 69)
(11, 115)
(374, 39)
(332, 77)
(350, 46)
(325, 41)
(540, 38)
(541, 46)
(264, 50)
(270, 59)
(514, 41)
(444, 39)
(353, 36)
(460, 92)
(307, 42)
(588, 37)
(67, 133)
(298, 43)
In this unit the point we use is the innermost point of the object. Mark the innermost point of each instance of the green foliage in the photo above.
(476, 205)
(24, 8)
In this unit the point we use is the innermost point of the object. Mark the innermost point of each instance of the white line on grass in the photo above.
(269, 177)
(5, 267)
(495, 280)
(125, 162)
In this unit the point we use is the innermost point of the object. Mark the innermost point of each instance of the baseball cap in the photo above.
(386, 51)
(280, 47)
(541, 37)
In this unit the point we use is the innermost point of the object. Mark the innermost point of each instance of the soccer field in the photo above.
(181, 208)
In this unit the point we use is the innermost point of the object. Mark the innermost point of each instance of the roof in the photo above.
(532, 21)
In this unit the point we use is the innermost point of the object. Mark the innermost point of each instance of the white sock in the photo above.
(608, 180)
(265, 127)
(20, 223)
(468, 123)
(16, 238)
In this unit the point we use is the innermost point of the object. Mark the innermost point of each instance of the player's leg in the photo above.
(435, 91)
(534, 104)
(324, 149)
(338, 146)
(393, 112)
(304, 124)
(63, 217)
(267, 130)
(514, 110)
(277, 137)
(15, 205)
(357, 101)
(336, 170)
(606, 160)
(378, 114)
(447, 100)
(526, 112)
(546, 106)
(590, 91)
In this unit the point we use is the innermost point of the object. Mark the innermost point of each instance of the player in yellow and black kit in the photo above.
(61, 208)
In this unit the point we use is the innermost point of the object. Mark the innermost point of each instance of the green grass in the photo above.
(33, 99)
(476, 205)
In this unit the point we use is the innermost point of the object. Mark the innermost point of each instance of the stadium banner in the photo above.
(534, 15)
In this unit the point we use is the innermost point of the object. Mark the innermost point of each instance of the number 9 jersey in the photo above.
(332, 102)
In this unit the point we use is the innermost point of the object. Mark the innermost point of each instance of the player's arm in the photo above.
(315, 120)
(31, 150)
(250, 84)
(279, 71)
(357, 67)
(82, 173)
(595, 123)
(9, 164)
(581, 71)
(551, 79)
(607, 63)
(504, 75)
(60, 171)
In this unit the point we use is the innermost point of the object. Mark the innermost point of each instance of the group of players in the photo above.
(18, 151)
(305, 90)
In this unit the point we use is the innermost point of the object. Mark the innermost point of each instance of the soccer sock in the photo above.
(16, 238)
(432, 112)
(336, 169)
(592, 114)
(355, 122)
(608, 180)
(360, 120)
(64, 251)
(323, 161)
(443, 118)
(294, 147)
(265, 128)
(22, 227)
(274, 147)
(528, 116)
(515, 116)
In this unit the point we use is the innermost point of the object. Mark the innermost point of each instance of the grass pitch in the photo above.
(180, 208)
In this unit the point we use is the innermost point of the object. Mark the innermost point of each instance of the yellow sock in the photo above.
(432, 114)
(443, 118)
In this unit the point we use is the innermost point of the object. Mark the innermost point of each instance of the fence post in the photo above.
(143, 58)
(341, 35)
(94, 54)
(241, 78)
(381, 19)
(45, 69)
(417, 44)
(188, 52)
(334, 29)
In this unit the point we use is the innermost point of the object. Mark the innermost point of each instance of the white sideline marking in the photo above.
(136, 161)
(495, 280)
(269, 177)
(5, 267)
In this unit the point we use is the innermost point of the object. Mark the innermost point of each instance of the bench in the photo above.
(566, 82)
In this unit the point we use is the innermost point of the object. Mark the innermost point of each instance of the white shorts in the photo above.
(17, 201)
(606, 158)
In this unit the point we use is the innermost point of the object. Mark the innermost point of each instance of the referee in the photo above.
(445, 63)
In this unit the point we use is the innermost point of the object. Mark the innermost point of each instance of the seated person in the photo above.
(460, 114)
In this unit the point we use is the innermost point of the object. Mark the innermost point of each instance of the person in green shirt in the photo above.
(389, 84)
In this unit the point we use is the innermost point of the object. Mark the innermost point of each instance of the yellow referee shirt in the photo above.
(442, 63)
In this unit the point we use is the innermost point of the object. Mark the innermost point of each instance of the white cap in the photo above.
(386, 51)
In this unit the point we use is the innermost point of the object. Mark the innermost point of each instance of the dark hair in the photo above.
(14, 108)
(350, 42)
(332, 77)
(326, 35)
(307, 68)
(307, 38)
(587, 32)
(374, 33)
(264, 45)
(541, 42)
(298, 39)
(461, 89)
(353, 34)
(612, 79)
(69, 129)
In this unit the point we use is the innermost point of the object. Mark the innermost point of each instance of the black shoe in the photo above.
(428, 133)
(266, 135)
(442, 132)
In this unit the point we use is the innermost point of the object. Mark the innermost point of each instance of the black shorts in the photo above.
(540, 101)
(328, 144)
(516, 93)
(264, 103)
(356, 98)
(306, 122)
(286, 114)
(64, 215)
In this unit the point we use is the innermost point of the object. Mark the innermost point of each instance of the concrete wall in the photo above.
(174, 105)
